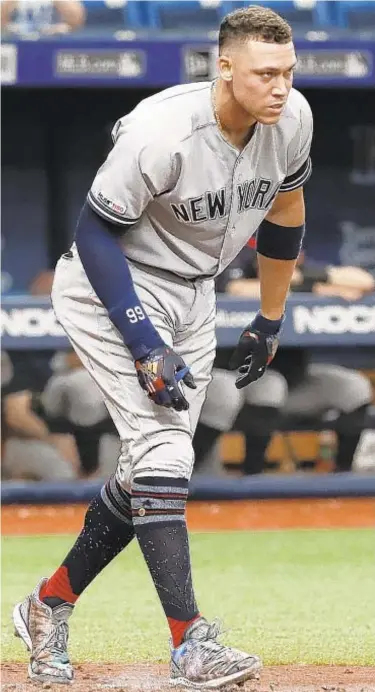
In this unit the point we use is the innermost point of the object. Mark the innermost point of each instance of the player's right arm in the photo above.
(125, 184)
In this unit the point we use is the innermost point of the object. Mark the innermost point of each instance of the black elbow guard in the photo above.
(280, 242)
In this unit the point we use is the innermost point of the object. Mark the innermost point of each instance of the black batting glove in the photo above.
(160, 374)
(256, 348)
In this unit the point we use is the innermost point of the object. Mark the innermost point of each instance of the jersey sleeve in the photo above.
(300, 167)
(132, 175)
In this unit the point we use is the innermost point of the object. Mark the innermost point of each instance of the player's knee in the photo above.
(271, 391)
(223, 401)
(167, 453)
(158, 495)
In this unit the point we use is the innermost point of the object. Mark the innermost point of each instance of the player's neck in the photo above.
(235, 124)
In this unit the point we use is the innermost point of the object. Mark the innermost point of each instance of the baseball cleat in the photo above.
(202, 663)
(45, 632)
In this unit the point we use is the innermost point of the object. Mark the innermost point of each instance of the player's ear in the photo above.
(225, 67)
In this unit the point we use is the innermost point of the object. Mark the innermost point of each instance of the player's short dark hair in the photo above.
(254, 22)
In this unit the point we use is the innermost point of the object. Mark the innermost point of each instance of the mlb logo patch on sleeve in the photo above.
(114, 206)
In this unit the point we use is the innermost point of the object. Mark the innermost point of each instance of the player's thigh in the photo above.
(109, 450)
(197, 346)
(154, 440)
(270, 390)
(223, 401)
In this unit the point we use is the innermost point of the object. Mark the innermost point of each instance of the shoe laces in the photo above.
(214, 630)
(210, 633)
(216, 654)
(57, 642)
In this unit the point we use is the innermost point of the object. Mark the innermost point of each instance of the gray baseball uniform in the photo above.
(187, 201)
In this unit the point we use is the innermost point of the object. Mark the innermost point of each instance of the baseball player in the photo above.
(194, 171)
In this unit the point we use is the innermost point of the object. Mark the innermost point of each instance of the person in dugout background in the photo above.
(46, 17)
(72, 396)
(33, 446)
(292, 385)
(55, 423)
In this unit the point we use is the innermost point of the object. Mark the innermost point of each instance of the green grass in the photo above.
(292, 596)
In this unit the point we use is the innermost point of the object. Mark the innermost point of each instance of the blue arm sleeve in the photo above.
(109, 274)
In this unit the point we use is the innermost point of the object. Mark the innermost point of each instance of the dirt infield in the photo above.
(148, 678)
(206, 516)
(209, 516)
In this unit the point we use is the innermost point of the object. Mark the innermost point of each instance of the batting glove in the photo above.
(161, 373)
(255, 350)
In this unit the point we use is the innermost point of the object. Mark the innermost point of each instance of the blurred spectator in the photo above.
(49, 17)
(31, 448)
(73, 398)
(291, 385)
(50, 400)
(350, 283)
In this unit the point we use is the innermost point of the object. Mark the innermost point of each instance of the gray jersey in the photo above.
(188, 201)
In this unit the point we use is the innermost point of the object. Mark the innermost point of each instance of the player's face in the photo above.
(262, 77)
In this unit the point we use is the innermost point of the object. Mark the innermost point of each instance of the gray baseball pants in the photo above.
(155, 441)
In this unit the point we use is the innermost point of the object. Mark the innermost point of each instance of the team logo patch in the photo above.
(116, 207)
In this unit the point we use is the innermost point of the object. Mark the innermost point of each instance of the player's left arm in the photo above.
(278, 246)
(278, 252)
(279, 243)
(281, 233)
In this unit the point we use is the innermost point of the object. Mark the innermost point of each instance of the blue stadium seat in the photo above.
(105, 15)
(181, 16)
(356, 15)
(301, 15)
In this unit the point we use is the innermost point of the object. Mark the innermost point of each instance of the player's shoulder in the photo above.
(296, 119)
(168, 117)
(297, 107)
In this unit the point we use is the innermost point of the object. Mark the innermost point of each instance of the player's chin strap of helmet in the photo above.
(159, 369)
(259, 341)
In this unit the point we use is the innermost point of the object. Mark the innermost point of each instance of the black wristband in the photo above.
(266, 326)
(279, 242)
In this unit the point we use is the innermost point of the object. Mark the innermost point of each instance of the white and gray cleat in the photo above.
(201, 662)
(45, 632)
